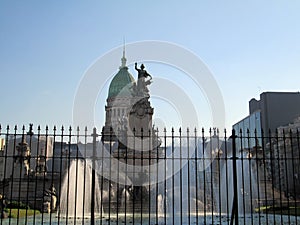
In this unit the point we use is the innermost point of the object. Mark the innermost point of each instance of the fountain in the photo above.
(246, 185)
(201, 191)
(75, 197)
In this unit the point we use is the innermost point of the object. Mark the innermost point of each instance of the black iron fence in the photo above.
(65, 176)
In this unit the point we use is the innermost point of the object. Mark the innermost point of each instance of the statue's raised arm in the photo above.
(136, 68)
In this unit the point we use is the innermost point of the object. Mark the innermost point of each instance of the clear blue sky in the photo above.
(46, 46)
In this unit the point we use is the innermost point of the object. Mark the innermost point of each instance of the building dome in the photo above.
(121, 84)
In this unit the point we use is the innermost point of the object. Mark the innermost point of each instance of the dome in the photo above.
(121, 83)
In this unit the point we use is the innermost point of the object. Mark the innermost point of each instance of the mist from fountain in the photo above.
(75, 196)
(125, 199)
(246, 184)
(160, 205)
(210, 188)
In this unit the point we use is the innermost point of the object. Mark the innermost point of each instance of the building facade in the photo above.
(274, 109)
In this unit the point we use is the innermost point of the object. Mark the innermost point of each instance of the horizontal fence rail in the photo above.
(74, 176)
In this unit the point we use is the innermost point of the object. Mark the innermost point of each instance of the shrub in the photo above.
(17, 205)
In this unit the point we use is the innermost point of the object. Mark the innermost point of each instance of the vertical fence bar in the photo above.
(102, 176)
(126, 175)
(109, 181)
(84, 173)
(156, 183)
(278, 159)
(30, 133)
(294, 194)
(234, 212)
(12, 171)
(76, 181)
(165, 176)
(44, 171)
(150, 150)
(3, 181)
(264, 160)
(211, 152)
(219, 155)
(61, 147)
(141, 174)
(180, 176)
(203, 171)
(133, 175)
(297, 146)
(196, 172)
(189, 178)
(52, 173)
(247, 137)
(68, 173)
(257, 173)
(21, 154)
(118, 177)
(172, 169)
(94, 135)
(4, 173)
(286, 174)
(242, 171)
(226, 172)
(272, 171)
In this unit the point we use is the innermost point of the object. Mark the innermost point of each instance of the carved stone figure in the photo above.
(22, 159)
(122, 129)
(50, 200)
(3, 204)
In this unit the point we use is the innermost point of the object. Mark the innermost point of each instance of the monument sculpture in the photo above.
(22, 159)
(142, 83)
(3, 204)
(50, 199)
(129, 130)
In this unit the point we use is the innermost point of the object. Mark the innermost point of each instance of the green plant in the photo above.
(19, 213)
(17, 205)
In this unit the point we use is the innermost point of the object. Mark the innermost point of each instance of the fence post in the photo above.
(94, 135)
(234, 212)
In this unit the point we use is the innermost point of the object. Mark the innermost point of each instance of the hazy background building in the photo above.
(274, 109)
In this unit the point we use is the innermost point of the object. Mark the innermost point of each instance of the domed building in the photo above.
(119, 97)
(128, 110)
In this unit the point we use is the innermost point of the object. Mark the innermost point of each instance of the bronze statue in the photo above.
(142, 83)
